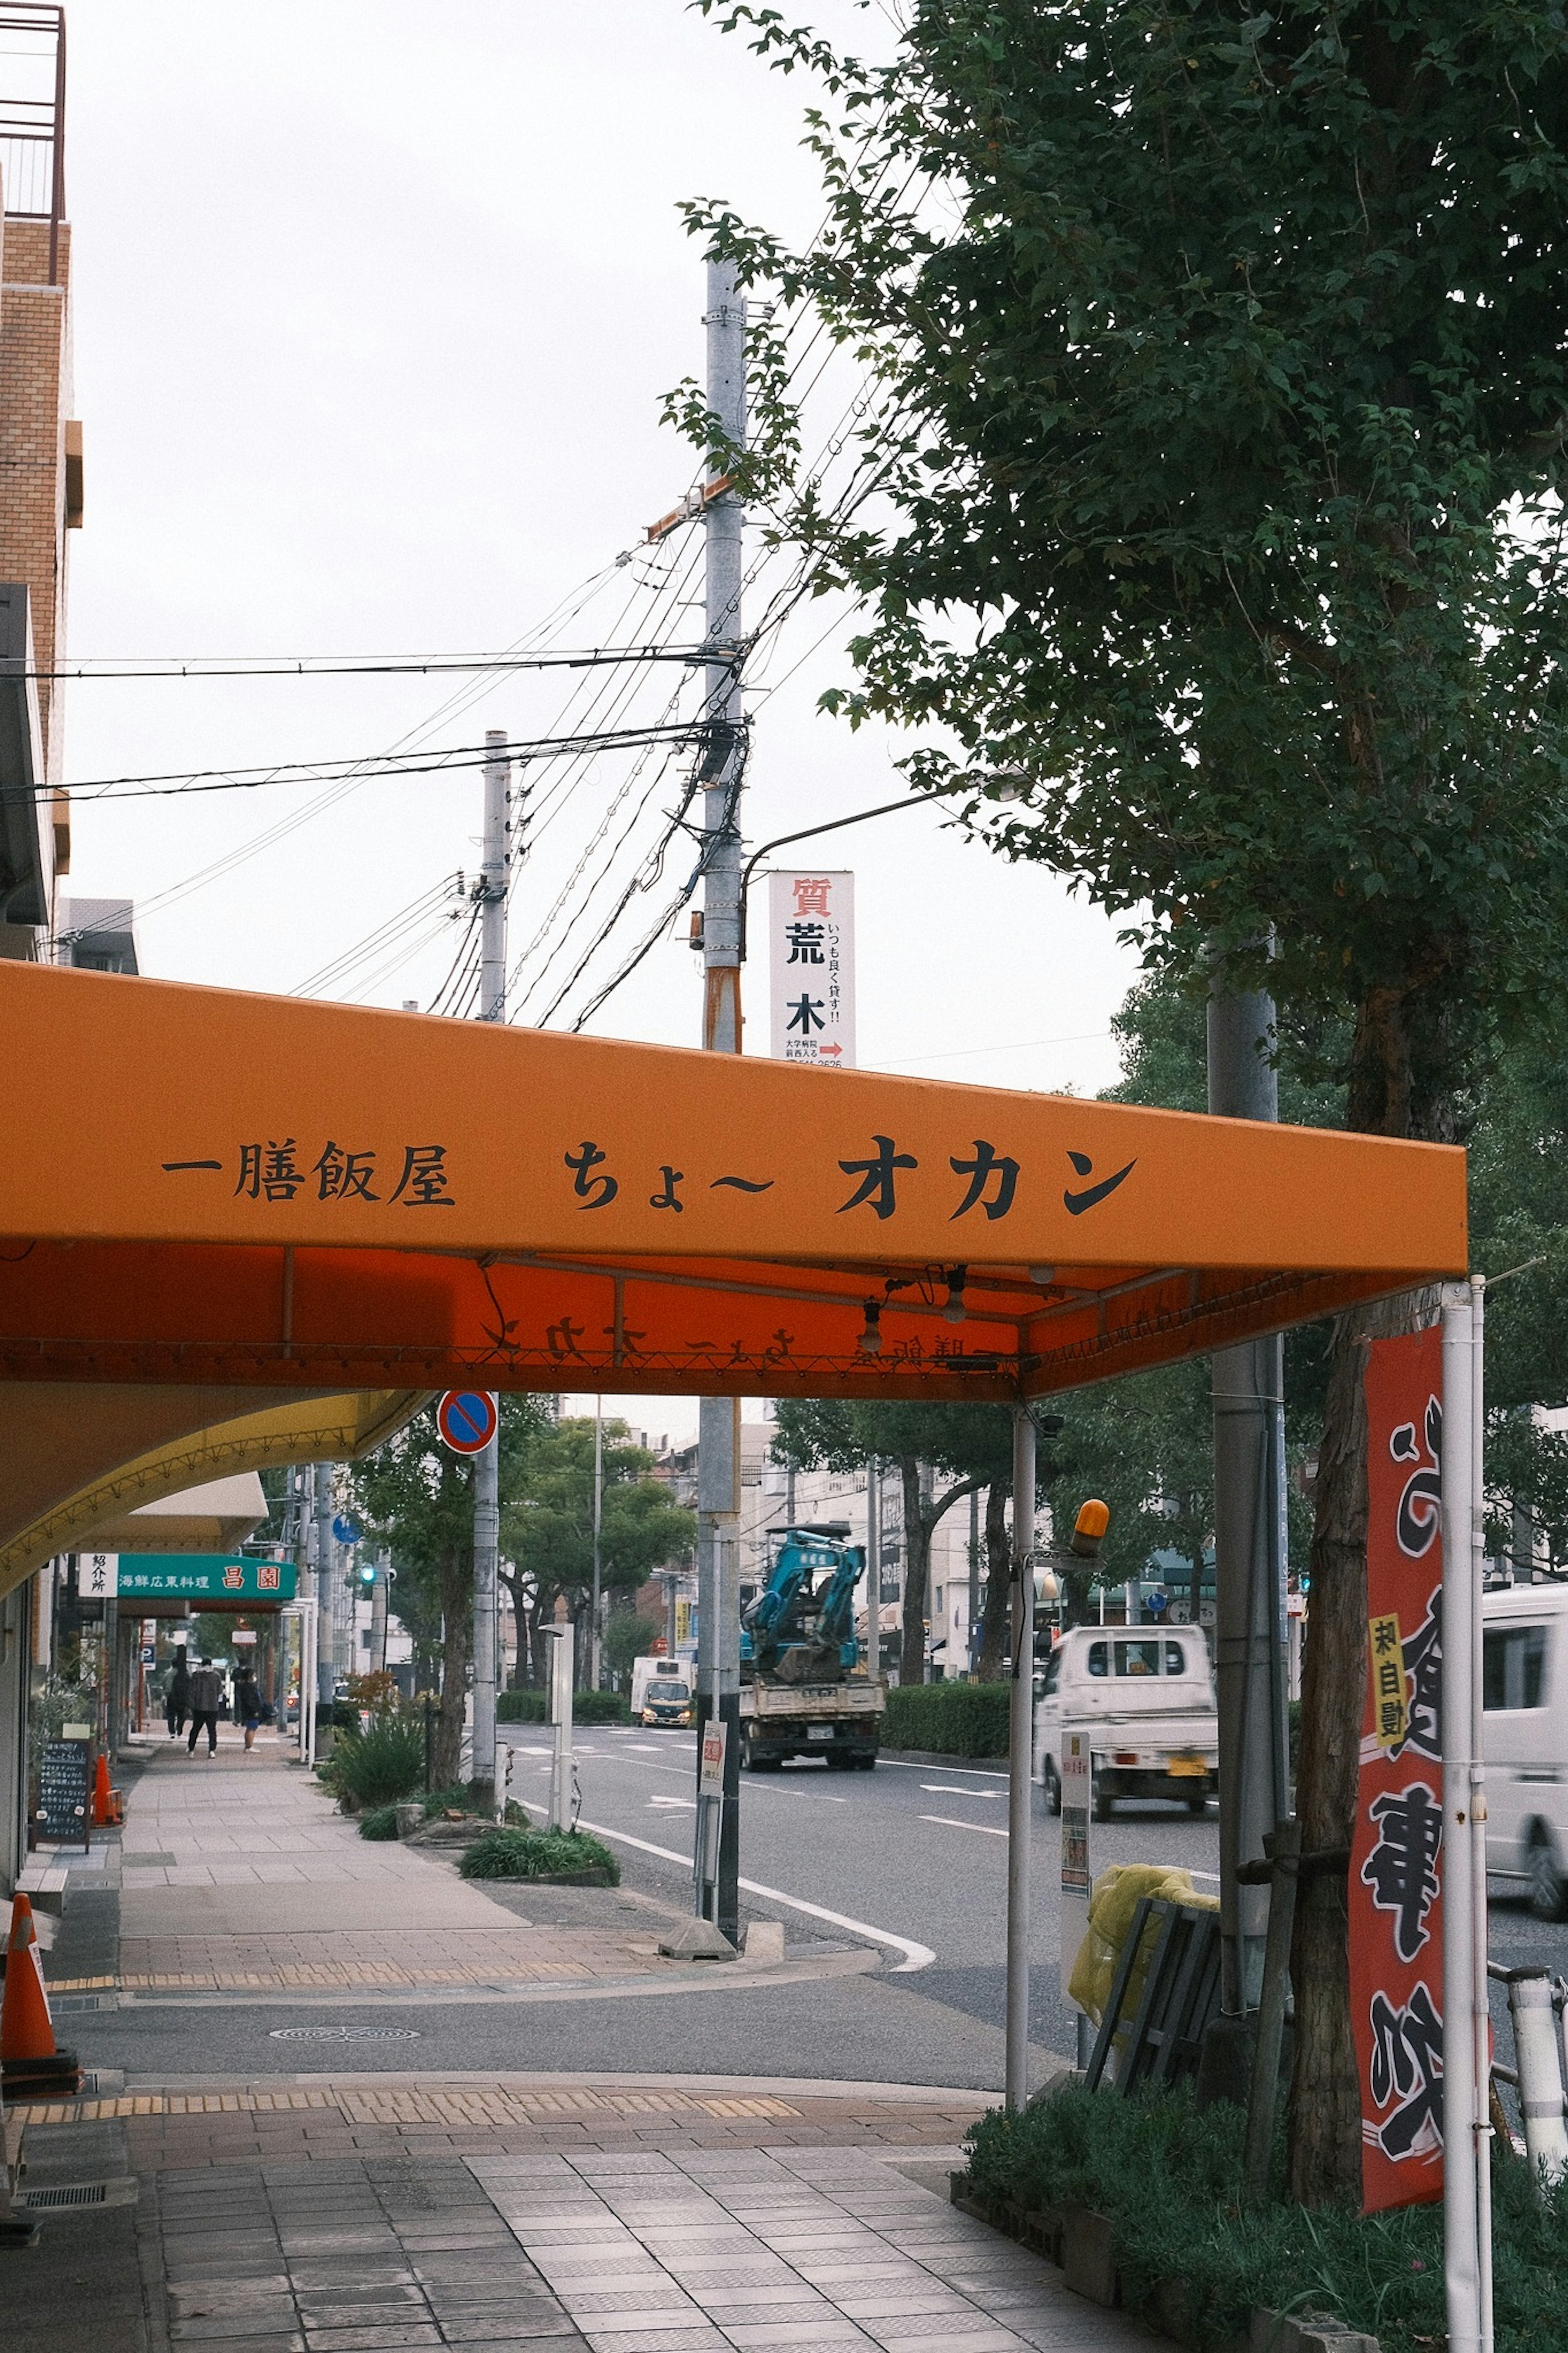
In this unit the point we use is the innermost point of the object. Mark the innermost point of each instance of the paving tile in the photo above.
(390, 2338)
(259, 2317)
(657, 2340)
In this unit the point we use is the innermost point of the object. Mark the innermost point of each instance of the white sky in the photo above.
(374, 305)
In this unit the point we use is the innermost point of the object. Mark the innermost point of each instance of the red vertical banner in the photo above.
(1396, 1869)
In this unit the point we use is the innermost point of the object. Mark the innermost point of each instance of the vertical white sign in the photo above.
(97, 1575)
(1077, 1777)
(811, 967)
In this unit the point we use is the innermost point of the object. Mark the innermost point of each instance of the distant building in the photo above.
(96, 934)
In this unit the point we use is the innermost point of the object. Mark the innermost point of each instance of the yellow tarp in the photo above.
(1116, 1896)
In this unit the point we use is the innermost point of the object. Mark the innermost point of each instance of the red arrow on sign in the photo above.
(829, 1049)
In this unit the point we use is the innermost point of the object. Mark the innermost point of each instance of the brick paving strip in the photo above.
(619, 2215)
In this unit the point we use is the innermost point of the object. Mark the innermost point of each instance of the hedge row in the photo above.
(953, 1719)
(587, 1707)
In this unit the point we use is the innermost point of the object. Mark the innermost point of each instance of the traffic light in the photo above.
(366, 1574)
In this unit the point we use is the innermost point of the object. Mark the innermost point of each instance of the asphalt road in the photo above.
(911, 1859)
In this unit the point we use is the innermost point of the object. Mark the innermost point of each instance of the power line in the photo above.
(109, 667)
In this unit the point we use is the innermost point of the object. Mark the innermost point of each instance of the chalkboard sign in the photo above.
(63, 1815)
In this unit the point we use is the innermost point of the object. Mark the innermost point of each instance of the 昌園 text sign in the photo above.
(1395, 1870)
(811, 969)
(205, 1576)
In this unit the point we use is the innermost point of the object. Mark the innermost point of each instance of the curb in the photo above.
(945, 1757)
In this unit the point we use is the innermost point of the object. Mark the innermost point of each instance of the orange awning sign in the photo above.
(233, 1189)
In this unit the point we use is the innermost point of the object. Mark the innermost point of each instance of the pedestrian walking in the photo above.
(248, 1703)
(206, 1690)
(177, 1694)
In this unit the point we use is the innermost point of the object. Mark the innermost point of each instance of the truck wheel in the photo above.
(1104, 1802)
(838, 1760)
(1547, 1888)
(865, 1764)
(1197, 1805)
(1051, 1779)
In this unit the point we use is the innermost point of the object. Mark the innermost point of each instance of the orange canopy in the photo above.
(262, 1194)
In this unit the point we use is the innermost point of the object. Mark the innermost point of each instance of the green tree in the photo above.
(547, 1526)
(969, 1445)
(415, 1496)
(628, 1637)
(1224, 394)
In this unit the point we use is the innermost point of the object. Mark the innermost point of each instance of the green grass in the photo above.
(535, 1854)
(381, 1823)
(1170, 2181)
(952, 1719)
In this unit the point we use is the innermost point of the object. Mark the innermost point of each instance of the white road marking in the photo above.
(948, 1823)
(954, 1789)
(916, 1957)
(902, 1765)
(688, 1805)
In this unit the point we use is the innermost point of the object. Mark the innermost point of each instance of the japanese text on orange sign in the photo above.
(1395, 1872)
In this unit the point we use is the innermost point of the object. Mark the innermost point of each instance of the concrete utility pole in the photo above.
(495, 883)
(1250, 1637)
(326, 1612)
(719, 1424)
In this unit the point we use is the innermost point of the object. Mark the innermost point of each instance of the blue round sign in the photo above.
(467, 1419)
(346, 1530)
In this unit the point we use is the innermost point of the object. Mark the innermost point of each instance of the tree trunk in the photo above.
(916, 1565)
(1394, 1090)
(457, 1577)
(996, 1624)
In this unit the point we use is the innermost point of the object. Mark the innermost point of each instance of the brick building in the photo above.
(41, 473)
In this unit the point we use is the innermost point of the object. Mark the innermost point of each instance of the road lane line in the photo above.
(954, 1789)
(948, 1823)
(916, 1957)
(902, 1765)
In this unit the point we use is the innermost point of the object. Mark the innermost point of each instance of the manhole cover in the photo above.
(343, 2034)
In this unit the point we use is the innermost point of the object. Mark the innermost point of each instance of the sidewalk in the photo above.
(653, 2216)
(238, 1880)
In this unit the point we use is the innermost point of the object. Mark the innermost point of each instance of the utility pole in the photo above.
(874, 1569)
(719, 1423)
(495, 883)
(1250, 1635)
(326, 1599)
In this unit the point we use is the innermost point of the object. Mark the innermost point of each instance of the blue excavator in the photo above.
(803, 1688)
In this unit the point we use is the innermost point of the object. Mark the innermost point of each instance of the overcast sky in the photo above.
(374, 306)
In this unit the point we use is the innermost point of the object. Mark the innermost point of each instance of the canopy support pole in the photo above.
(1020, 1758)
(1467, 2124)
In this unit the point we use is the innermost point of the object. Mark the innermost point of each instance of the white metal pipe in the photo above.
(1539, 2070)
(1460, 2241)
(1020, 1758)
(1480, 2005)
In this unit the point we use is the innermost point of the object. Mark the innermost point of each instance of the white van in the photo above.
(1146, 1696)
(1524, 1675)
(661, 1692)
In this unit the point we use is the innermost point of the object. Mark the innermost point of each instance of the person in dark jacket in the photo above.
(207, 1690)
(247, 1701)
(177, 1695)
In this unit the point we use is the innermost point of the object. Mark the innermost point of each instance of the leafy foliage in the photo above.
(950, 1719)
(381, 1823)
(380, 1765)
(1170, 2181)
(1222, 412)
(536, 1854)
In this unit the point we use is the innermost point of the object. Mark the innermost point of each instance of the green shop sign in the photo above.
(203, 1576)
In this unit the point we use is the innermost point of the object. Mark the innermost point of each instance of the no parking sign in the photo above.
(468, 1420)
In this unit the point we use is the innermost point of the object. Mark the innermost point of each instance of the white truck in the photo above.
(1145, 1695)
(661, 1692)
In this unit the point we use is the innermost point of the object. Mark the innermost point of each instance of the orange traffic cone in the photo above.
(29, 2058)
